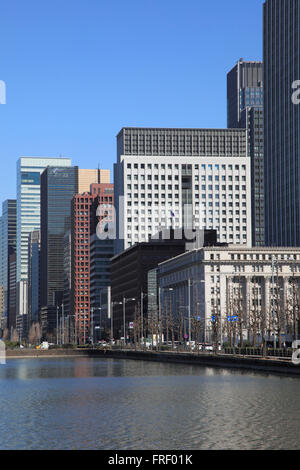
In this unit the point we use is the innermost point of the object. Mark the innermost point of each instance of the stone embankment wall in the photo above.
(223, 361)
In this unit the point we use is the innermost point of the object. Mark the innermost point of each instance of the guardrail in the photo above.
(269, 352)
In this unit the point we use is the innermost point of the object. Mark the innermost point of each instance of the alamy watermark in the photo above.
(2, 92)
(2, 353)
(296, 93)
(296, 352)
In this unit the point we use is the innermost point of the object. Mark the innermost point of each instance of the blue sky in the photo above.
(77, 71)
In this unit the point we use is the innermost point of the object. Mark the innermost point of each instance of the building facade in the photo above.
(85, 216)
(254, 291)
(245, 110)
(7, 247)
(88, 177)
(58, 186)
(29, 170)
(129, 278)
(193, 178)
(282, 116)
(12, 298)
(34, 292)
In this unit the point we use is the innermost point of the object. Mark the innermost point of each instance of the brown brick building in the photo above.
(84, 220)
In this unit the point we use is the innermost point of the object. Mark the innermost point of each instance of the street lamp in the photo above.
(124, 314)
(111, 319)
(92, 321)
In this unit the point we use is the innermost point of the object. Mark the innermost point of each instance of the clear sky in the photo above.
(77, 71)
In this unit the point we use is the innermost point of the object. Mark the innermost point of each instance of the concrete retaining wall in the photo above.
(221, 361)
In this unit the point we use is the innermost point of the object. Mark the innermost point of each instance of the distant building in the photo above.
(88, 177)
(281, 28)
(7, 247)
(101, 252)
(245, 94)
(29, 170)
(12, 299)
(85, 217)
(236, 284)
(58, 185)
(34, 298)
(67, 272)
(172, 178)
(130, 275)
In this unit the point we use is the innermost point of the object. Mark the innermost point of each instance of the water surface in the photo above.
(92, 403)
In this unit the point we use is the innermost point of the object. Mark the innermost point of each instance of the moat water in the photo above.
(110, 404)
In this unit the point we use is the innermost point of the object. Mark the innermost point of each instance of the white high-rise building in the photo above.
(29, 170)
(161, 171)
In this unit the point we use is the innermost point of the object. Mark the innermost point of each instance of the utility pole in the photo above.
(57, 324)
(63, 328)
(124, 327)
(189, 309)
(92, 323)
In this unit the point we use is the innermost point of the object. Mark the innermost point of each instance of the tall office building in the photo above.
(29, 170)
(12, 298)
(245, 111)
(88, 177)
(34, 298)
(58, 185)
(7, 247)
(2, 309)
(282, 122)
(84, 223)
(159, 172)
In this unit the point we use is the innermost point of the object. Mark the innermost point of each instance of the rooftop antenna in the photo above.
(99, 178)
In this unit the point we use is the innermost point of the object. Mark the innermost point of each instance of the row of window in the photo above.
(203, 166)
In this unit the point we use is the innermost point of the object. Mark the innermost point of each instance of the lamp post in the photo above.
(63, 323)
(57, 324)
(92, 321)
(124, 315)
(111, 319)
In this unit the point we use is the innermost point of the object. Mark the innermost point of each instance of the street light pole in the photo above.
(124, 327)
(57, 324)
(63, 329)
(189, 304)
(92, 322)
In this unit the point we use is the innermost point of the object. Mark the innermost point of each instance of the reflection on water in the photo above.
(85, 403)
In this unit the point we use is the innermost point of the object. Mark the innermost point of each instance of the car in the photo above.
(208, 347)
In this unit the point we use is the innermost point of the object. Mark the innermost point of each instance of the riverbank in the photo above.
(282, 366)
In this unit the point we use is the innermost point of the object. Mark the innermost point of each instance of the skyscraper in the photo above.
(34, 246)
(245, 111)
(28, 215)
(282, 122)
(84, 223)
(7, 248)
(58, 185)
(160, 172)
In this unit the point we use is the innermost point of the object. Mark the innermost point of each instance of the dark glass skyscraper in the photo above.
(8, 247)
(282, 122)
(58, 185)
(245, 110)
